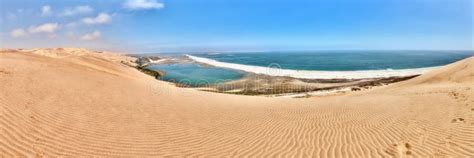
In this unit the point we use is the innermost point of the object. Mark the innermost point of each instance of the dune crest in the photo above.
(459, 72)
(75, 102)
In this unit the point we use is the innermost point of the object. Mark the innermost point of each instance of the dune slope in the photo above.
(88, 104)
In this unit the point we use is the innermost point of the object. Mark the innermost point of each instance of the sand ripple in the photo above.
(89, 106)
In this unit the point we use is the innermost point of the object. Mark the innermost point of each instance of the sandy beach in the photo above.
(261, 84)
(76, 102)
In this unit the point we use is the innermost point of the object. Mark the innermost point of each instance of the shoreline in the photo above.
(275, 70)
(271, 85)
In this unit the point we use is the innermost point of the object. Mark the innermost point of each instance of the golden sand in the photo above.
(72, 102)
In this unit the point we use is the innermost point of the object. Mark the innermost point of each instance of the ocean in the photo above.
(308, 65)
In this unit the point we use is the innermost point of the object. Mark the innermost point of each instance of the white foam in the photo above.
(273, 70)
(157, 61)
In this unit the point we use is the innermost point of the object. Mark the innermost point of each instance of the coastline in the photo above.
(306, 74)
(277, 85)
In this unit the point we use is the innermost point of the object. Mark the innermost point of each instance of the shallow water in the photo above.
(195, 74)
(309, 65)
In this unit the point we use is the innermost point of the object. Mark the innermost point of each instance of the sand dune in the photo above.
(57, 103)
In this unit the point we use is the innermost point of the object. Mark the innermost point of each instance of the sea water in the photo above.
(342, 60)
(311, 65)
(194, 74)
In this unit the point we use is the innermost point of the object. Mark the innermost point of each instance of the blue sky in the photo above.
(237, 25)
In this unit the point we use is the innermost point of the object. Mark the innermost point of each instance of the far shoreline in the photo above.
(272, 86)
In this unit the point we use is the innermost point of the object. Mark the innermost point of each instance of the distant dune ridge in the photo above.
(75, 102)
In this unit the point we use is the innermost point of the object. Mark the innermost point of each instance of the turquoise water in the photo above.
(343, 60)
(195, 74)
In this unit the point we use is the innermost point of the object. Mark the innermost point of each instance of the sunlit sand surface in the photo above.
(73, 102)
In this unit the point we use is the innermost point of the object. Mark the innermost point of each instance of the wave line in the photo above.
(314, 74)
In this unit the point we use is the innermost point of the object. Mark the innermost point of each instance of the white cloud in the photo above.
(142, 4)
(71, 24)
(83, 9)
(91, 36)
(18, 33)
(11, 16)
(44, 28)
(46, 10)
(102, 18)
(70, 34)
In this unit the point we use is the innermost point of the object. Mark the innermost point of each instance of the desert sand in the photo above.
(73, 102)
